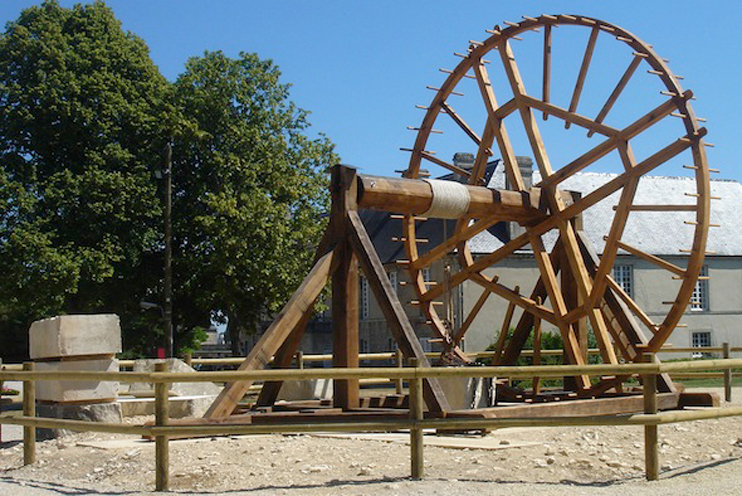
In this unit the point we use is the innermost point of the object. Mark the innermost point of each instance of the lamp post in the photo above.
(168, 283)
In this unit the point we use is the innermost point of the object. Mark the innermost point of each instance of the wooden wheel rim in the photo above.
(678, 104)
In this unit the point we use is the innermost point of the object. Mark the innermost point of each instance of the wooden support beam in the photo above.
(345, 339)
(399, 323)
(617, 90)
(546, 86)
(301, 302)
(504, 330)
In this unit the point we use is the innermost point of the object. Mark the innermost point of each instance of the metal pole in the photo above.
(651, 448)
(168, 283)
(29, 410)
(416, 433)
(162, 417)
(727, 376)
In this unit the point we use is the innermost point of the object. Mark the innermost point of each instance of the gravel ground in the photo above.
(703, 457)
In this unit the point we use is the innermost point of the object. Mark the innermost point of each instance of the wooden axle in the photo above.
(415, 196)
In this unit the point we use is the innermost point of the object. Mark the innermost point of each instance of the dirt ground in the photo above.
(702, 457)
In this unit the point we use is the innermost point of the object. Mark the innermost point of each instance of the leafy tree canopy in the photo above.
(84, 116)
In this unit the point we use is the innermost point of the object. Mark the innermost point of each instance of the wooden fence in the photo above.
(162, 431)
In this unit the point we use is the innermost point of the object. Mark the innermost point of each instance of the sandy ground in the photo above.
(703, 457)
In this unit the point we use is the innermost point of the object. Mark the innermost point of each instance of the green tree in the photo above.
(250, 192)
(81, 128)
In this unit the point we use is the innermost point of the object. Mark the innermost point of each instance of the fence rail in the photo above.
(161, 378)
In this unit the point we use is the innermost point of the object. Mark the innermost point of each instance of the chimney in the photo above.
(465, 161)
(525, 164)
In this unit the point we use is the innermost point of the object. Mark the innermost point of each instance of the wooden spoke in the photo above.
(583, 71)
(569, 117)
(617, 91)
(636, 309)
(652, 259)
(449, 244)
(527, 304)
(497, 125)
(604, 148)
(460, 122)
(445, 165)
(617, 227)
(472, 315)
(504, 330)
(663, 208)
(547, 67)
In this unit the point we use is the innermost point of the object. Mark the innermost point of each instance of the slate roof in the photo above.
(659, 233)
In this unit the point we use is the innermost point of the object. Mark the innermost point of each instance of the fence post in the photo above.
(299, 359)
(29, 410)
(727, 375)
(416, 432)
(162, 448)
(188, 358)
(651, 448)
(398, 383)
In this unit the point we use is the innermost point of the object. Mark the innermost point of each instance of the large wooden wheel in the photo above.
(642, 120)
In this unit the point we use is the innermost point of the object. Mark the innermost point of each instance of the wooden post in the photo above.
(727, 376)
(416, 433)
(299, 359)
(399, 383)
(345, 342)
(29, 410)
(651, 448)
(162, 448)
(188, 358)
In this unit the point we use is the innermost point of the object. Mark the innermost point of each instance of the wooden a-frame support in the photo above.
(345, 246)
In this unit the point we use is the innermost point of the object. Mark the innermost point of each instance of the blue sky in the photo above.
(361, 67)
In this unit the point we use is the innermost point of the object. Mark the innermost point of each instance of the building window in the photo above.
(393, 278)
(391, 345)
(363, 345)
(624, 277)
(699, 301)
(365, 303)
(701, 339)
(426, 274)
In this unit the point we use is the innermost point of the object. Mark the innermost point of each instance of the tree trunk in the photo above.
(233, 328)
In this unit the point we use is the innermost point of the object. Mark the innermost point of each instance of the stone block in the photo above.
(77, 391)
(309, 389)
(178, 388)
(75, 335)
(465, 393)
(98, 412)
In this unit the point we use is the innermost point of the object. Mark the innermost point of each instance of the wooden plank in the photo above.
(460, 122)
(663, 208)
(700, 399)
(573, 408)
(569, 117)
(300, 303)
(399, 323)
(583, 71)
(504, 330)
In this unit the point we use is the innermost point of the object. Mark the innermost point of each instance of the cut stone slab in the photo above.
(465, 393)
(310, 389)
(180, 406)
(75, 335)
(178, 388)
(77, 391)
(98, 412)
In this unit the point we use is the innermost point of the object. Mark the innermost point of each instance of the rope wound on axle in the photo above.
(450, 200)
